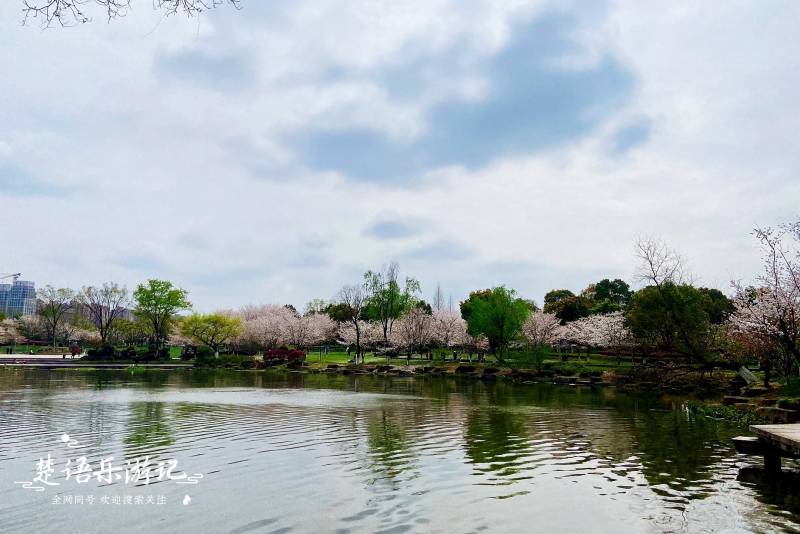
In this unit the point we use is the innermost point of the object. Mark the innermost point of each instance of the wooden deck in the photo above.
(785, 438)
(774, 442)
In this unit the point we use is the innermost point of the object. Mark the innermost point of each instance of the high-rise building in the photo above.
(18, 299)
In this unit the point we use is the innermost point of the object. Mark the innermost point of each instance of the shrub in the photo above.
(284, 355)
(188, 353)
(105, 352)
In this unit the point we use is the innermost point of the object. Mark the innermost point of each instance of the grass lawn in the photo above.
(597, 362)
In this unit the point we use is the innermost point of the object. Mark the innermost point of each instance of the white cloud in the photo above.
(161, 166)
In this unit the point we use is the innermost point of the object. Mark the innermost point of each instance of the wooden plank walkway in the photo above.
(785, 438)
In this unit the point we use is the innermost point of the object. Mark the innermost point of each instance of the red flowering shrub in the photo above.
(284, 355)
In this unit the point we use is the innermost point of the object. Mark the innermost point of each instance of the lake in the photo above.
(276, 452)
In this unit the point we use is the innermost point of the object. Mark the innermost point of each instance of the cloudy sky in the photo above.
(274, 153)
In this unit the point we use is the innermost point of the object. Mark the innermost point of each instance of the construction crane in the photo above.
(14, 276)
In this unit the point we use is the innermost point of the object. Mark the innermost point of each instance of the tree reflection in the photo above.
(495, 438)
(147, 427)
(388, 443)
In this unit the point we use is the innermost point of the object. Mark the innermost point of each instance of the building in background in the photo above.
(18, 298)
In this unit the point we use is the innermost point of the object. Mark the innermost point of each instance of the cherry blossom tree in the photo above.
(598, 331)
(768, 316)
(307, 330)
(449, 328)
(349, 309)
(541, 328)
(31, 327)
(9, 334)
(414, 330)
(362, 334)
(266, 326)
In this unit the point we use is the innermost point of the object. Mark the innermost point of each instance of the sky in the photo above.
(273, 153)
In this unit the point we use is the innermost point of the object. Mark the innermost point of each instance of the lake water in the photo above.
(331, 453)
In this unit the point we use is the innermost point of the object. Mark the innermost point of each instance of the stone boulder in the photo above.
(755, 391)
(730, 400)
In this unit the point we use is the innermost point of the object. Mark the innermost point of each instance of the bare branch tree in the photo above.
(105, 305)
(659, 263)
(69, 12)
(438, 298)
(353, 300)
(53, 305)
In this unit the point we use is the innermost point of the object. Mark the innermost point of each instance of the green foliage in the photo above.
(157, 302)
(535, 357)
(791, 388)
(724, 413)
(104, 352)
(607, 296)
(316, 306)
(552, 298)
(717, 305)
(566, 305)
(497, 314)
(212, 330)
(671, 317)
(468, 305)
(127, 332)
(387, 299)
(340, 312)
(424, 306)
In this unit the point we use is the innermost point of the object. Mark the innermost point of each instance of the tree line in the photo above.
(667, 317)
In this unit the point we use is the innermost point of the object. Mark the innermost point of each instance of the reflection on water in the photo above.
(322, 453)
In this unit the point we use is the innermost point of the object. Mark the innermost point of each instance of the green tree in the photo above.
(607, 296)
(718, 306)
(316, 306)
(157, 302)
(566, 305)
(553, 297)
(131, 332)
(387, 300)
(52, 306)
(497, 314)
(673, 318)
(212, 330)
(424, 306)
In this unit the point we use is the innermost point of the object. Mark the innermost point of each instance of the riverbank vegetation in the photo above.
(661, 331)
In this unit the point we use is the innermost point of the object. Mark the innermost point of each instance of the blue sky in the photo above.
(274, 153)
